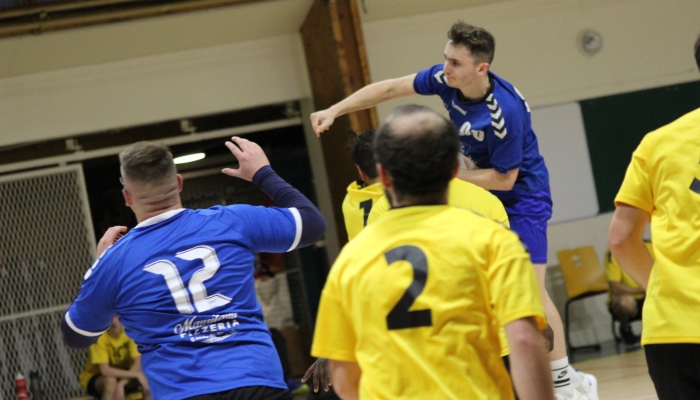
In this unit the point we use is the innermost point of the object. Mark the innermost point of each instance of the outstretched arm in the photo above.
(368, 96)
(626, 242)
(255, 167)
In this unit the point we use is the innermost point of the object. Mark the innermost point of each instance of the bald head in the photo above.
(419, 149)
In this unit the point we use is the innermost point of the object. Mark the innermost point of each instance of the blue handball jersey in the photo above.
(495, 131)
(182, 285)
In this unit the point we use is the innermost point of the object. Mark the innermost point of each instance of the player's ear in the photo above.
(483, 68)
(359, 172)
(456, 167)
(127, 198)
(384, 176)
(179, 182)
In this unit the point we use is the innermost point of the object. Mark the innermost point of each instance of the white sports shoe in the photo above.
(577, 396)
(588, 385)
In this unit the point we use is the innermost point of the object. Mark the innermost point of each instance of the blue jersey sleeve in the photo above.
(91, 312)
(268, 229)
(428, 80)
(505, 144)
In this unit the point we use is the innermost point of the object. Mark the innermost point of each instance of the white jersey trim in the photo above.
(80, 331)
(160, 217)
(297, 220)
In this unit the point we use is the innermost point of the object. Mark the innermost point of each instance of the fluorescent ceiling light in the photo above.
(189, 158)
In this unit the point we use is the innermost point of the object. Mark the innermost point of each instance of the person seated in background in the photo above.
(362, 194)
(625, 298)
(113, 367)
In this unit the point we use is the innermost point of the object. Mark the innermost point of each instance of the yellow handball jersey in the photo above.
(663, 178)
(615, 273)
(470, 197)
(417, 300)
(118, 352)
(461, 194)
(357, 205)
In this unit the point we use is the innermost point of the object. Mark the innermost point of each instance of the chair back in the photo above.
(582, 271)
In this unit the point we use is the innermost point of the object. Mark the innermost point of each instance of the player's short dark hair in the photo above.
(479, 41)
(147, 162)
(419, 149)
(362, 155)
(697, 51)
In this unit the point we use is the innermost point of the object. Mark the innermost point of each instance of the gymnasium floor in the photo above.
(621, 376)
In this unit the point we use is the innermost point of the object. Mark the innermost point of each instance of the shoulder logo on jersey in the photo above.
(440, 77)
(527, 106)
(92, 268)
(458, 108)
(497, 120)
(466, 130)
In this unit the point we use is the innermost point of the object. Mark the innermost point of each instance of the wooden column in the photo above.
(337, 65)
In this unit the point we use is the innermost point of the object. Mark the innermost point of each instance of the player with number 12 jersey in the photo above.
(177, 300)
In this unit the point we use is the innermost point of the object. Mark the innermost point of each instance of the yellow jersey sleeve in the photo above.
(513, 285)
(334, 336)
(636, 187)
(471, 197)
(133, 349)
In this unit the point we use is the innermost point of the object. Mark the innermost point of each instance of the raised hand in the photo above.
(109, 238)
(250, 158)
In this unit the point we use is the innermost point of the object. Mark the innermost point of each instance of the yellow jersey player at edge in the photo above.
(362, 194)
(411, 307)
(662, 187)
(501, 148)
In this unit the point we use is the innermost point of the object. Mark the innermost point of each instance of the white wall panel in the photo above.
(99, 97)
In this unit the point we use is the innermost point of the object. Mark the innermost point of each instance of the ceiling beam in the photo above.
(58, 16)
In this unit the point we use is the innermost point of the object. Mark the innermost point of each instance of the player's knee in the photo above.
(110, 385)
(628, 305)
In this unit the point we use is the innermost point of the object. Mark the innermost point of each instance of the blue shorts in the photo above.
(528, 214)
(533, 233)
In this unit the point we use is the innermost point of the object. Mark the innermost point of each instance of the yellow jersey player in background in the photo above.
(362, 194)
(411, 308)
(662, 187)
(625, 297)
(113, 367)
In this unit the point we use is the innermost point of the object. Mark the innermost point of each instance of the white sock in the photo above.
(561, 376)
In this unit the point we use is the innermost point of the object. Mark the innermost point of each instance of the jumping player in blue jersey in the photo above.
(182, 280)
(501, 155)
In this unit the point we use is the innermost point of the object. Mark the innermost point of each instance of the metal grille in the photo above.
(218, 189)
(46, 245)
